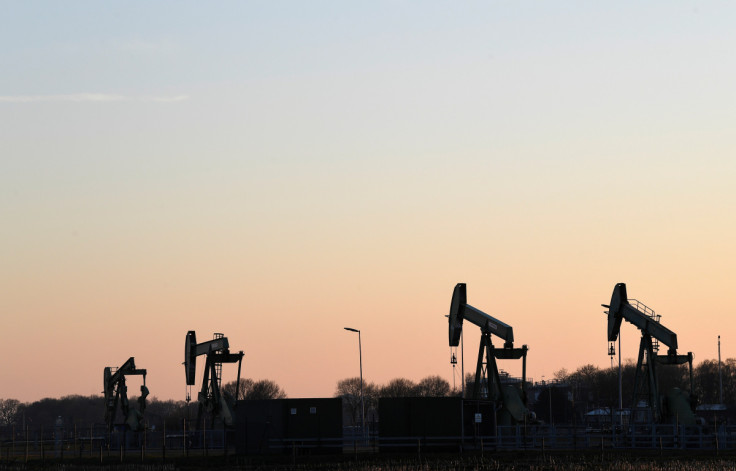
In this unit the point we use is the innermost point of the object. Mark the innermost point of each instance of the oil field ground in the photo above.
(524, 461)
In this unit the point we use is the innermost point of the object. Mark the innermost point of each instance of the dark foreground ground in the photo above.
(523, 461)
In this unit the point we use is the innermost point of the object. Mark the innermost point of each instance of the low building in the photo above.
(288, 425)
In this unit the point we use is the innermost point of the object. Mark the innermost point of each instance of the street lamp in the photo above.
(362, 407)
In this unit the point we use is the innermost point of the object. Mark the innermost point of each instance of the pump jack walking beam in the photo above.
(217, 352)
(115, 390)
(620, 309)
(487, 354)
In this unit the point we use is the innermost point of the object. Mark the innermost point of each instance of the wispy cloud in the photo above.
(167, 99)
(88, 97)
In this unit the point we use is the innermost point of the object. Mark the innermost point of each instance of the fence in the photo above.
(665, 437)
(59, 443)
(66, 443)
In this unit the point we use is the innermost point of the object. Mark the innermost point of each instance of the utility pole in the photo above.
(620, 389)
(551, 418)
(720, 373)
(462, 361)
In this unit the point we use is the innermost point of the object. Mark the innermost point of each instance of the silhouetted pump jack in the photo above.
(116, 391)
(674, 406)
(511, 406)
(210, 398)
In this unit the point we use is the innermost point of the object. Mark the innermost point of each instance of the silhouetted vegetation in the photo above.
(90, 410)
(8, 410)
(433, 386)
(589, 387)
(599, 386)
(399, 387)
(349, 390)
(250, 390)
(572, 394)
(85, 411)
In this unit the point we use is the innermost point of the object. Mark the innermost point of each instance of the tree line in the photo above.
(349, 389)
(590, 387)
(90, 410)
(599, 386)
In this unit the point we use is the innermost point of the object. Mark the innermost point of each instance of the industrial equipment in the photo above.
(668, 407)
(115, 391)
(510, 402)
(211, 399)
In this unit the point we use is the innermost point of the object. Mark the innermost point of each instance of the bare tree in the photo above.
(561, 375)
(8, 411)
(469, 384)
(729, 381)
(399, 387)
(246, 384)
(433, 386)
(349, 390)
(168, 413)
(706, 382)
(265, 389)
(249, 389)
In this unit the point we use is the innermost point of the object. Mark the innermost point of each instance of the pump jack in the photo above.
(115, 390)
(487, 380)
(652, 332)
(210, 397)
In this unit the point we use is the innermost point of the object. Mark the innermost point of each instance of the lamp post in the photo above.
(362, 407)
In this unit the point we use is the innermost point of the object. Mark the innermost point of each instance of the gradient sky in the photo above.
(277, 171)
